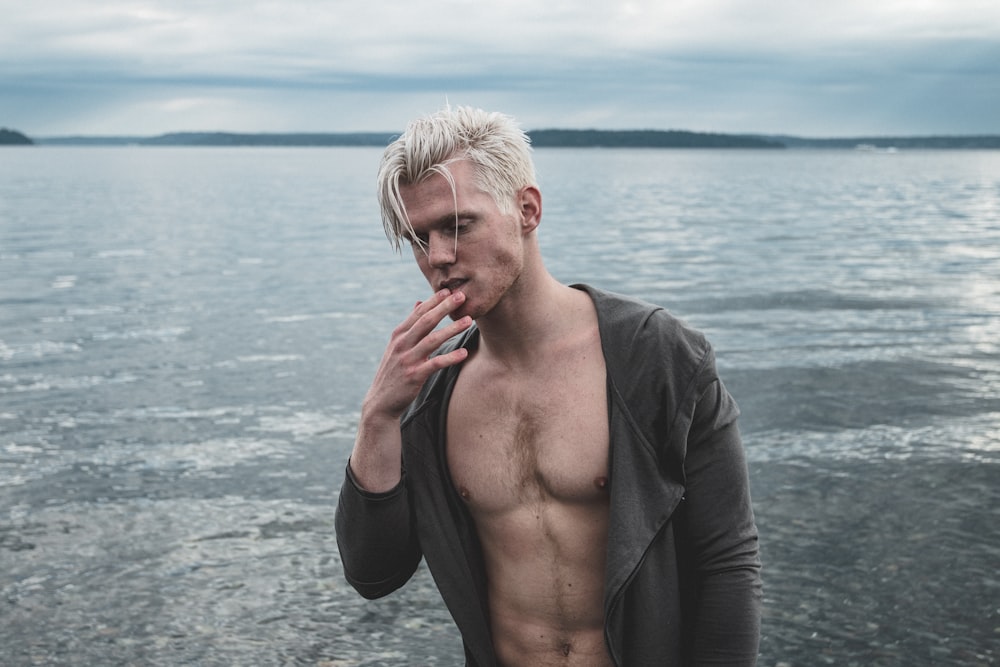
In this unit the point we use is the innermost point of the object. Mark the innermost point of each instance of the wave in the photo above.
(805, 300)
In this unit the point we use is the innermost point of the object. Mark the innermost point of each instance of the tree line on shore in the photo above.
(545, 138)
(13, 138)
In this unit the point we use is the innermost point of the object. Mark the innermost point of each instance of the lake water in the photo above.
(186, 335)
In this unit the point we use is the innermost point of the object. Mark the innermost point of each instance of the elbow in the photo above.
(372, 590)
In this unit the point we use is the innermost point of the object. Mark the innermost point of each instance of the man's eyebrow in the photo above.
(449, 219)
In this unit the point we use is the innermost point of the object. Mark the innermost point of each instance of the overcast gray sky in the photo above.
(838, 68)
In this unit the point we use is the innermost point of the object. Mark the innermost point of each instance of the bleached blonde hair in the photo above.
(498, 149)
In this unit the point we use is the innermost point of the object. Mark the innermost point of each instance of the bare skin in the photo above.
(527, 434)
(528, 453)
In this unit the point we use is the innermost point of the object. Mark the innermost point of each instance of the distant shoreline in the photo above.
(549, 138)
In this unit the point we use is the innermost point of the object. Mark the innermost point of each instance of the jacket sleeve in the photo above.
(376, 537)
(720, 533)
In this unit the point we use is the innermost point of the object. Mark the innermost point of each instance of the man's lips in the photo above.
(452, 284)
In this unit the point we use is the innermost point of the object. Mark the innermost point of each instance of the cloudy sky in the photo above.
(819, 69)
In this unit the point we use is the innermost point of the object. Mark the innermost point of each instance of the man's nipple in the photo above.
(601, 483)
(464, 492)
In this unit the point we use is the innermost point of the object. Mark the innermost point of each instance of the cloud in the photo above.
(725, 65)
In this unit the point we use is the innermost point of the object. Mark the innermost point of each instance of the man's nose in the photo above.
(441, 249)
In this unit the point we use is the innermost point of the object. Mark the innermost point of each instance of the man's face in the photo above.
(478, 252)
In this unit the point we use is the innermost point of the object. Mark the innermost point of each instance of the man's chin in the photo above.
(458, 314)
(467, 309)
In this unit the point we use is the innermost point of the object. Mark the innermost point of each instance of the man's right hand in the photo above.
(405, 366)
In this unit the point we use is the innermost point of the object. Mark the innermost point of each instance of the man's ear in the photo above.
(529, 207)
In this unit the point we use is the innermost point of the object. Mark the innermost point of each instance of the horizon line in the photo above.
(373, 133)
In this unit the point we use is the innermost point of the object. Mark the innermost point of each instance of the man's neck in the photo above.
(525, 326)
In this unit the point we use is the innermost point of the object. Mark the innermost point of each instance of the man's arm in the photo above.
(722, 533)
(405, 366)
(375, 535)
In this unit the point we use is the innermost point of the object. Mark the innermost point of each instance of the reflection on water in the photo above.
(186, 335)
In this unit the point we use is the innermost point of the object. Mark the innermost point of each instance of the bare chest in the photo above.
(517, 441)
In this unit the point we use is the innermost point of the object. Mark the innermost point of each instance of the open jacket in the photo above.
(682, 585)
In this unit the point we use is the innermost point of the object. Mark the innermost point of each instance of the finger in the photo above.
(421, 307)
(436, 338)
(450, 359)
(430, 323)
(434, 342)
(424, 348)
(417, 337)
(430, 314)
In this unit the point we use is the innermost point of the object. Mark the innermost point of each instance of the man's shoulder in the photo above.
(648, 351)
(626, 320)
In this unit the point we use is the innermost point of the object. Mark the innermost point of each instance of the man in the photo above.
(566, 460)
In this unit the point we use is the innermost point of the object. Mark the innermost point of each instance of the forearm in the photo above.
(727, 631)
(723, 535)
(375, 531)
(373, 516)
(407, 363)
(376, 460)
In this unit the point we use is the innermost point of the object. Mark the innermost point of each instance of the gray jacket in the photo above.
(682, 585)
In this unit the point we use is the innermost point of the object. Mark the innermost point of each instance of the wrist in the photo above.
(376, 460)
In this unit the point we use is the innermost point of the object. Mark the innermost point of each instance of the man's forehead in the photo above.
(433, 180)
(435, 185)
(458, 168)
(431, 193)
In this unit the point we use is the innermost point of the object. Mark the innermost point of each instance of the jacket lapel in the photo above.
(446, 531)
(642, 501)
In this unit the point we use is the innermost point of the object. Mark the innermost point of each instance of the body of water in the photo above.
(186, 335)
